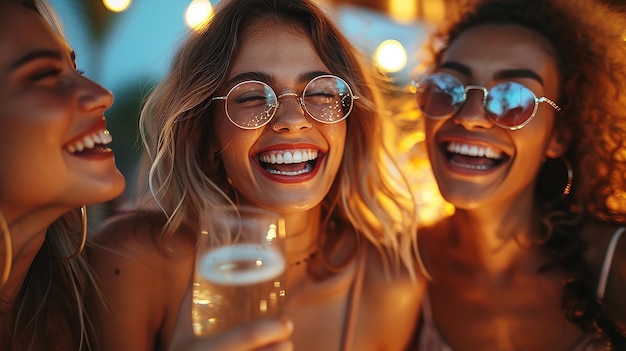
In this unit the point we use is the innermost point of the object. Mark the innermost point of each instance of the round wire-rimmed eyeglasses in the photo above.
(251, 104)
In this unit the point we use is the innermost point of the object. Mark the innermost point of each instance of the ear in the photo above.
(559, 142)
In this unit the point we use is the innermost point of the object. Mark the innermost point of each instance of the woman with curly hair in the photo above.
(249, 115)
(525, 122)
(54, 162)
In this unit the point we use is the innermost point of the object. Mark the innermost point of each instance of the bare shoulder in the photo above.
(139, 234)
(142, 281)
(131, 228)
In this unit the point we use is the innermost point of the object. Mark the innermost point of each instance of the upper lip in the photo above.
(95, 134)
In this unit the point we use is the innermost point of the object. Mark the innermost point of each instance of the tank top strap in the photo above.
(608, 260)
(354, 300)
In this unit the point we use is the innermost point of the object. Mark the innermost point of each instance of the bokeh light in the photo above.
(198, 13)
(390, 56)
(116, 5)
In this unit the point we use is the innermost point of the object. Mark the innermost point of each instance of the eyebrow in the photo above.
(503, 74)
(266, 78)
(36, 55)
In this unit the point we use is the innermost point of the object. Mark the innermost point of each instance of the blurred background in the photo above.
(127, 45)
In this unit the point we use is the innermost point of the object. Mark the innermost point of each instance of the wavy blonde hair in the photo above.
(185, 174)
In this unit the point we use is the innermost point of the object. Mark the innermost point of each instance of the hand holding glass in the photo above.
(239, 267)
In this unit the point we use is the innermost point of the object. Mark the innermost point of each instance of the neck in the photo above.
(27, 234)
(303, 230)
(494, 240)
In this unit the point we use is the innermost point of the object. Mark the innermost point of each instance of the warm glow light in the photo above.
(198, 14)
(402, 10)
(390, 56)
(116, 5)
(408, 144)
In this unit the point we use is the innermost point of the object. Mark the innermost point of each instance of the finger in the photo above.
(266, 335)
(260, 335)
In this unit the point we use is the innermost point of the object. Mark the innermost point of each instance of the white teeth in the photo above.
(475, 167)
(308, 168)
(288, 157)
(473, 150)
(101, 137)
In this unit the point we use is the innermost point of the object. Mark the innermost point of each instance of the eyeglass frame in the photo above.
(299, 98)
(467, 88)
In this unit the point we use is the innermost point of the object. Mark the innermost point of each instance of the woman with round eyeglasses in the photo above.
(291, 126)
(524, 122)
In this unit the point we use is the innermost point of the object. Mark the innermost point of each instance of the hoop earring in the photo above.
(83, 239)
(550, 186)
(8, 250)
(570, 176)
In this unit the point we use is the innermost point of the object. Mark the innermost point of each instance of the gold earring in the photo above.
(83, 239)
(8, 250)
(570, 176)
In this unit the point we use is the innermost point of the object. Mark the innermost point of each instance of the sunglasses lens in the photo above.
(251, 104)
(439, 95)
(510, 104)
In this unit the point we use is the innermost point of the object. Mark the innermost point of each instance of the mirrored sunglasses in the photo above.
(251, 104)
(509, 105)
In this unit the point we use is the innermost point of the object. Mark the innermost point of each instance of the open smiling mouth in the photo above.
(293, 162)
(474, 157)
(90, 143)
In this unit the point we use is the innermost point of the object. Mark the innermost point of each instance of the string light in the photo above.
(116, 5)
(198, 14)
(391, 56)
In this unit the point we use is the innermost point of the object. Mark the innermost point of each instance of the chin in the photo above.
(103, 191)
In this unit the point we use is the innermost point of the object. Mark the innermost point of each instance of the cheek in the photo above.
(535, 138)
(336, 137)
(38, 138)
(234, 145)
(430, 129)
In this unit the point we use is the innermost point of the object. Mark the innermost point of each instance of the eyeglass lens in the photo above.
(251, 104)
(508, 104)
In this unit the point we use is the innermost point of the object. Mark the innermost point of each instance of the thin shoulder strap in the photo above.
(606, 266)
(347, 343)
(427, 311)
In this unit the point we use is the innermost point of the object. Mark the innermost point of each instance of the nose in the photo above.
(290, 116)
(472, 113)
(94, 96)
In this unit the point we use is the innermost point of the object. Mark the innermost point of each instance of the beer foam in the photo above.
(266, 263)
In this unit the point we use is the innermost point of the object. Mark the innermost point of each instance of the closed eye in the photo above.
(251, 99)
(46, 73)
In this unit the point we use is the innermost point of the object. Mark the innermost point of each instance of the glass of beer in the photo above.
(239, 268)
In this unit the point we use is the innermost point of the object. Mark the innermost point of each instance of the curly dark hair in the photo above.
(588, 39)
